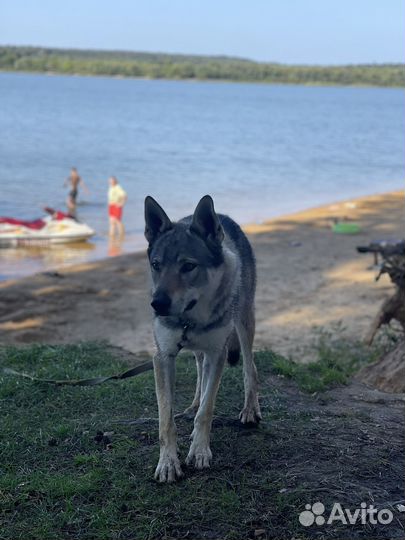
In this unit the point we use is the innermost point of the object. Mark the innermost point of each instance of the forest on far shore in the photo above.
(173, 66)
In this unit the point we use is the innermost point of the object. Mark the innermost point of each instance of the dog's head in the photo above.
(185, 257)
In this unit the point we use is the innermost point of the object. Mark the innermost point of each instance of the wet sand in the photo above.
(308, 277)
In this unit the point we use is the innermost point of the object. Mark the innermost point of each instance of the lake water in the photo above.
(259, 150)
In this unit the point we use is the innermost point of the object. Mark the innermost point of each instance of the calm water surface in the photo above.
(259, 150)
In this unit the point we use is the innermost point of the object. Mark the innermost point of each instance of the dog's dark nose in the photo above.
(161, 303)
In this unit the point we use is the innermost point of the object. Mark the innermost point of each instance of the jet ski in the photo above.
(54, 228)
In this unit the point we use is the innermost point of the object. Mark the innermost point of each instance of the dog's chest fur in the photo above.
(188, 338)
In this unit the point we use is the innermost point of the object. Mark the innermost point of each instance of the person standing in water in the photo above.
(116, 201)
(74, 181)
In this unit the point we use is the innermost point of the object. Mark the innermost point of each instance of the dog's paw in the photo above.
(250, 414)
(200, 456)
(168, 469)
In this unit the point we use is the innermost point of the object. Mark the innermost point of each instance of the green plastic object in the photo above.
(345, 227)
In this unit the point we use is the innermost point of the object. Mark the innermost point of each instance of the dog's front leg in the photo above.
(168, 468)
(200, 452)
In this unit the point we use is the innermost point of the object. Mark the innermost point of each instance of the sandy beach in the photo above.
(308, 277)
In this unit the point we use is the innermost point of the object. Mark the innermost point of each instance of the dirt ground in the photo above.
(308, 277)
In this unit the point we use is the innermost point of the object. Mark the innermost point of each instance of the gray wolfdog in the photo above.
(204, 278)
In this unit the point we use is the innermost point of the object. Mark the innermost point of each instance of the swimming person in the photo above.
(116, 200)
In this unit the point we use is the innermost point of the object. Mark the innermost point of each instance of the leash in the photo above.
(137, 370)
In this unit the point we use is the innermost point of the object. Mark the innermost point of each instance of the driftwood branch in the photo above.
(388, 373)
(393, 256)
(392, 308)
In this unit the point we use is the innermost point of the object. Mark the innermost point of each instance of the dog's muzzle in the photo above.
(161, 303)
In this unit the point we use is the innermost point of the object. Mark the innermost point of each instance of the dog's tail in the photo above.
(233, 349)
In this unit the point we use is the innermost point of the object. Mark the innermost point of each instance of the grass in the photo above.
(72, 466)
(337, 361)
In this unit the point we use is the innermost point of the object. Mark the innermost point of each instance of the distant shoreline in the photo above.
(207, 81)
(158, 66)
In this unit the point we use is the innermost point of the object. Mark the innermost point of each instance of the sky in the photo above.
(287, 31)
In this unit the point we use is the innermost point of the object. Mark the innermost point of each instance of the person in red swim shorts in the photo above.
(116, 201)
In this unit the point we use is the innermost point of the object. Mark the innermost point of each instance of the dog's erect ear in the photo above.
(156, 220)
(205, 221)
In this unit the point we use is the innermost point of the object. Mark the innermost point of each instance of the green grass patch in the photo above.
(336, 360)
(70, 468)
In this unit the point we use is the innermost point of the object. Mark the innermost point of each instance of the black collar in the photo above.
(187, 325)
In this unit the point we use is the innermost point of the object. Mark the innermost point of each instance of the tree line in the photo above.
(168, 66)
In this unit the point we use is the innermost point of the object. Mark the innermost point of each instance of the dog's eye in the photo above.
(187, 267)
(156, 266)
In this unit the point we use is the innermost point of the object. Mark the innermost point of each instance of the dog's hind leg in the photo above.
(168, 468)
(193, 408)
(200, 452)
(245, 328)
